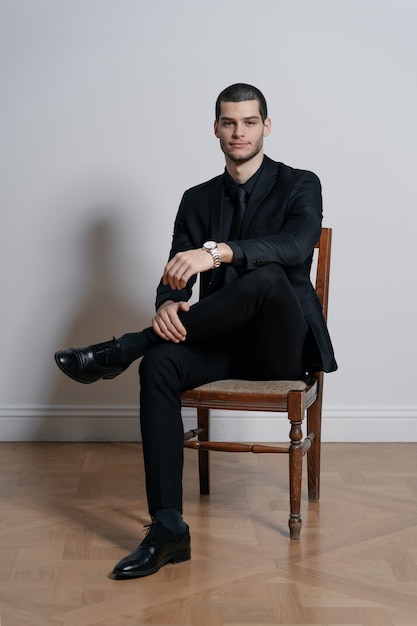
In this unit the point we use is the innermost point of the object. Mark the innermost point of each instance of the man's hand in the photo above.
(185, 264)
(166, 322)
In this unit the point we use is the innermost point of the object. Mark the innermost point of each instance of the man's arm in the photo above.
(178, 271)
(288, 231)
(296, 236)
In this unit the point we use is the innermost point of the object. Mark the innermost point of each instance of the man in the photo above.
(252, 230)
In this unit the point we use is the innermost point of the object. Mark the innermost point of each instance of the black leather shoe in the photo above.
(86, 365)
(160, 546)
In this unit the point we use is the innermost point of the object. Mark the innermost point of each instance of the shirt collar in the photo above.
(231, 185)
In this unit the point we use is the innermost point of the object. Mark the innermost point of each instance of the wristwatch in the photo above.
(211, 247)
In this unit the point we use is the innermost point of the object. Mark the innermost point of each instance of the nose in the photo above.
(239, 130)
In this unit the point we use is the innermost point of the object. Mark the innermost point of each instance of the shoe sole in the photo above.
(178, 557)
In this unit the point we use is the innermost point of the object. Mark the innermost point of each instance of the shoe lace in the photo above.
(148, 528)
(106, 353)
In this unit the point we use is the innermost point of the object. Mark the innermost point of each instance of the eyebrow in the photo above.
(232, 119)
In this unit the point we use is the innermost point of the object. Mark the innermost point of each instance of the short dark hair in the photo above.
(240, 92)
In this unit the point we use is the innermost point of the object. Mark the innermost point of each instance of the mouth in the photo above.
(238, 145)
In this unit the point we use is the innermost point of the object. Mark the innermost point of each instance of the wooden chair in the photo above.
(292, 397)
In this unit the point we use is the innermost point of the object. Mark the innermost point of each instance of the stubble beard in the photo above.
(243, 159)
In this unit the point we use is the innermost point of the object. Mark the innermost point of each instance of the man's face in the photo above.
(241, 130)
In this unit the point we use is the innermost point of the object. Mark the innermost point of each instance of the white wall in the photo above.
(106, 117)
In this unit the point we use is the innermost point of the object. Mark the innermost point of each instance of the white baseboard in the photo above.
(121, 423)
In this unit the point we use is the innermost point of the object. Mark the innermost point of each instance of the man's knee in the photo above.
(269, 280)
(159, 360)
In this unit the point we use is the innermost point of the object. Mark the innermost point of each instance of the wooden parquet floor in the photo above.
(69, 511)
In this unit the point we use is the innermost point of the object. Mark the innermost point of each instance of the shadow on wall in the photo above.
(100, 311)
(102, 314)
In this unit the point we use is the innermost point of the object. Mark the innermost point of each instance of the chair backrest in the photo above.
(323, 268)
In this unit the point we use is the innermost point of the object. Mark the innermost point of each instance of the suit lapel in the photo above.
(262, 190)
(216, 209)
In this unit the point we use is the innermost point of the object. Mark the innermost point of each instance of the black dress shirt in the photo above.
(229, 203)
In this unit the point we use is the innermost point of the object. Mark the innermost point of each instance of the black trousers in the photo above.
(252, 328)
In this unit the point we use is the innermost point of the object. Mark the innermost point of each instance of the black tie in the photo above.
(239, 213)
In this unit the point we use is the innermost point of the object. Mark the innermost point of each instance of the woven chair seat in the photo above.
(267, 387)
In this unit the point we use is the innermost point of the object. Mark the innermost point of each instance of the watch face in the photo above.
(210, 245)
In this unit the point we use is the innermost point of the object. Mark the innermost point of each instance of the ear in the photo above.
(267, 126)
(216, 128)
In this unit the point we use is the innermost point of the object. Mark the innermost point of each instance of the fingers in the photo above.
(167, 324)
(183, 265)
(177, 272)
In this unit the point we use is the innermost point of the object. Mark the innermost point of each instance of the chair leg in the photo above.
(203, 455)
(314, 453)
(295, 415)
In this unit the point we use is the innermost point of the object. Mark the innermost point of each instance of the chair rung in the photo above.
(221, 446)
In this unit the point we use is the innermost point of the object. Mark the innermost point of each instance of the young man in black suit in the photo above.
(253, 228)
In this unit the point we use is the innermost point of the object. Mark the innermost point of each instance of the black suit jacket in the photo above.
(282, 225)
